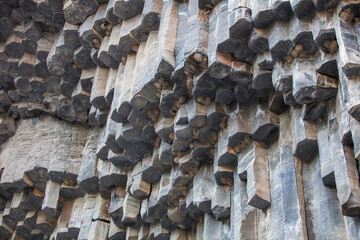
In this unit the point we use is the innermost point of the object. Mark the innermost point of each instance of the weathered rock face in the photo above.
(150, 119)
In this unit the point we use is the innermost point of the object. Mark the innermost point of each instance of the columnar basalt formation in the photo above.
(172, 119)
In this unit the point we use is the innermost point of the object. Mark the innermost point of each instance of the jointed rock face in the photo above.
(163, 119)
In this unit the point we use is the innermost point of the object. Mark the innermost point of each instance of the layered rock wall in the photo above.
(150, 119)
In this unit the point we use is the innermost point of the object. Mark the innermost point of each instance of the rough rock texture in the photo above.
(170, 119)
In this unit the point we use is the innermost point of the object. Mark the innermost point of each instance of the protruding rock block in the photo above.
(203, 189)
(326, 64)
(14, 47)
(110, 16)
(97, 97)
(87, 35)
(155, 209)
(82, 58)
(110, 176)
(196, 42)
(324, 33)
(113, 49)
(137, 118)
(262, 73)
(128, 42)
(100, 24)
(165, 155)
(139, 188)
(110, 135)
(303, 9)
(244, 93)
(49, 206)
(216, 117)
(77, 11)
(223, 174)
(71, 35)
(282, 77)
(314, 111)
(225, 96)
(304, 84)
(327, 167)
(116, 205)
(220, 204)
(165, 195)
(346, 175)
(258, 41)
(110, 85)
(204, 88)
(158, 231)
(241, 72)
(127, 9)
(87, 178)
(80, 98)
(197, 112)
(59, 55)
(239, 129)
(349, 90)
(6, 28)
(276, 102)
(151, 168)
(66, 88)
(5, 230)
(117, 94)
(244, 53)
(45, 223)
(326, 87)
(26, 65)
(19, 206)
(282, 9)
(116, 232)
(348, 48)
(143, 89)
(41, 69)
(179, 76)
(124, 106)
(188, 165)
(279, 41)
(302, 38)
(5, 101)
(240, 23)
(253, 168)
(262, 14)
(98, 230)
(220, 44)
(304, 136)
(103, 55)
(164, 128)
(264, 124)
(225, 156)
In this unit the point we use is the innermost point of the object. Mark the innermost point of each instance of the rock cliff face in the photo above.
(163, 119)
